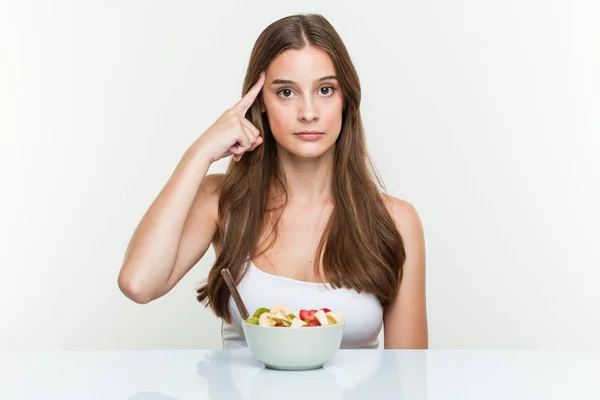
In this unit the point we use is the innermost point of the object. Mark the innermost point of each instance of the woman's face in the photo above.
(301, 94)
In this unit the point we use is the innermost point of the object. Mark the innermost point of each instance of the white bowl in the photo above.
(293, 349)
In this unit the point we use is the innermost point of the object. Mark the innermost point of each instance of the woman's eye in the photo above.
(286, 93)
(327, 90)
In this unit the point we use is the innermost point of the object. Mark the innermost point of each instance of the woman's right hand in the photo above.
(232, 133)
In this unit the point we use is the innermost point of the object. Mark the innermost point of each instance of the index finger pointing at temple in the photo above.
(246, 102)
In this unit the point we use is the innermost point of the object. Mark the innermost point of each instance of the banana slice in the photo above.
(266, 319)
(297, 323)
(321, 317)
(280, 309)
(335, 317)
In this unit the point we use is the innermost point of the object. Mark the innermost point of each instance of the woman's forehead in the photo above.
(305, 66)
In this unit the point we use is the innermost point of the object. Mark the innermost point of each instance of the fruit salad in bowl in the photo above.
(274, 337)
(280, 316)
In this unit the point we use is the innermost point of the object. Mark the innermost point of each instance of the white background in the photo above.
(484, 115)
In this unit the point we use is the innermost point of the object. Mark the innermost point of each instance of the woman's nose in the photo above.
(308, 111)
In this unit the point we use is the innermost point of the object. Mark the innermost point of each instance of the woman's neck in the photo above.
(308, 181)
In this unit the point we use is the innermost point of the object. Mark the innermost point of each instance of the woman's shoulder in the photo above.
(207, 196)
(211, 185)
(207, 199)
(403, 212)
(213, 180)
(397, 204)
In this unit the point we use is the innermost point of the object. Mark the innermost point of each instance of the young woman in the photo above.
(299, 217)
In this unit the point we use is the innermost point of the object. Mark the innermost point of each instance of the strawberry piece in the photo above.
(326, 310)
(307, 315)
(303, 314)
(314, 323)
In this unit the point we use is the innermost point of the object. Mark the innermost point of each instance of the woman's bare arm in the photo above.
(182, 221)
(405, 321)
(174, 233)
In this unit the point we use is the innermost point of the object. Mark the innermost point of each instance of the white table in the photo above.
(352, 374)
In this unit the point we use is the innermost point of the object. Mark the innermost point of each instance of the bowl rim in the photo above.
(278, 327)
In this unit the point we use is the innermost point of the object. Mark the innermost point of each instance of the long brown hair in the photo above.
(360, 248)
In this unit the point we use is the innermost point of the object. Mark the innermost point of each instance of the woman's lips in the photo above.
(309, 135)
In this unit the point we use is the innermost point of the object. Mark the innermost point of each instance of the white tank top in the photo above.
(363, 312)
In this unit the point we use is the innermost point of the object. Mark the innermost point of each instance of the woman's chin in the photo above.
(307, 151)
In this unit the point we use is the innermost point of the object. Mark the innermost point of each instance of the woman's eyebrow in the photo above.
(288, 82)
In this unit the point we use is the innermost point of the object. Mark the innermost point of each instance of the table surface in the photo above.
(351, 374)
